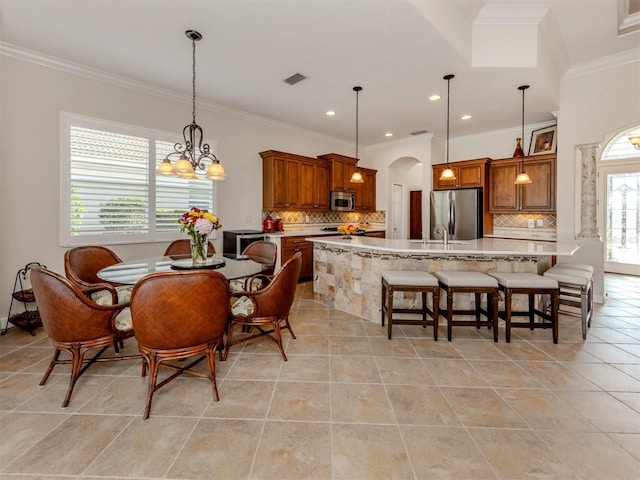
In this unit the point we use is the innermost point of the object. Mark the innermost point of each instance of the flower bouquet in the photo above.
(199, 224)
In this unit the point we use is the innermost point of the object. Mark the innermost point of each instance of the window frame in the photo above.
(68, 120)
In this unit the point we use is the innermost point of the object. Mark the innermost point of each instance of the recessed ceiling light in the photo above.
(433, 98)
(330, 113)
(465, 117)
(388, 134)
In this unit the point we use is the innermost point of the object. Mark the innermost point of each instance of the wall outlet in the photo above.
(539, 223)
(530, 223)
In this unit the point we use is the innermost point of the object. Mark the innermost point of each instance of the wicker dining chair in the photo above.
(265, 253)
(75, 324)
(178, 315)
(267, 307)
(179, 249)
(81, 267)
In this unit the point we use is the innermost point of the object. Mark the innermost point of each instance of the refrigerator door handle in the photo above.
(452, 217)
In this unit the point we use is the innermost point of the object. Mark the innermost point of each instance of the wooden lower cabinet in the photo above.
(291, 245)
(376, 234)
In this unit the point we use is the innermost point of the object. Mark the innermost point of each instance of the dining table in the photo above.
(130, 272)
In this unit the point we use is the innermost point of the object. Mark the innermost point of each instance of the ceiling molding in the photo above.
(38, 58)
(604, 63)
(511, 14)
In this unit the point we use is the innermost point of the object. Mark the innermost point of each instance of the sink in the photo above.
(440, 242)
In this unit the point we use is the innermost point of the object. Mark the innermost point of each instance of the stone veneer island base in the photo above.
(347, 271)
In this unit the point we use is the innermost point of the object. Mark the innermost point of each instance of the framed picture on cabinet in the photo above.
(543, 140)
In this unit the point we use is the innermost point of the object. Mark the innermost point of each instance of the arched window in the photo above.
(620, 147)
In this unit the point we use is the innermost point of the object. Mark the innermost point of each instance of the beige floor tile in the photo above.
(349, 346)
(25, 358)
(354, 369)
(522, 351)
(369, 452)
(123, 396)
(515, 454)
(362, 403)
(607, 377)
(629, 441)
(444, 453)
(505, 374)
(427, 348)
(567, 352)
(308, 345)
(478, 350)
(346, 327)
(218, 448)
(609, 353)
(409, 371)
(557, 376)
(305, 368)
(454, 373)
(89, 435)
(301, 401)
(420, 405)
(289, 450)
(245, 399)
(20, 432)
(631, 399)
(256, 367)
(592, 455)
(543, 410)
(604, 411)
(396, 347)
(482, 407)
(145, 448)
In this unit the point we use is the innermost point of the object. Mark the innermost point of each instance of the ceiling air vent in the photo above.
(293, 79)
(419, 132)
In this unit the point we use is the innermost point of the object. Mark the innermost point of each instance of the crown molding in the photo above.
(505, 131)
(603, 63)
(48, 61)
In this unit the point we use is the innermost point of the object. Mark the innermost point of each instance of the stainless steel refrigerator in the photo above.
(459, 211)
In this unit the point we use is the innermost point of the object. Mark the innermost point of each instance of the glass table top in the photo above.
(128, 273)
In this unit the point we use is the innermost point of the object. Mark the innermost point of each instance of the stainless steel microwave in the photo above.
(343, 201)
(235, 241)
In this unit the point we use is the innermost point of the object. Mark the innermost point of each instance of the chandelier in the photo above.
(193, 154)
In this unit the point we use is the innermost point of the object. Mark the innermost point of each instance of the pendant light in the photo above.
(357, 176)
(523, 177)
(447, 173)
(188, 157)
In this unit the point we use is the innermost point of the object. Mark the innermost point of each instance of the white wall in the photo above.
(33, 97)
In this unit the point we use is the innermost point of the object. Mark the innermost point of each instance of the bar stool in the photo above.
(576, 291)
(528, 284)
(410, 281)
(470, 282)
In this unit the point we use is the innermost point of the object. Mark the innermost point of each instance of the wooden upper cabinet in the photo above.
(536, 197)
(469, 174)
(366, 192)
(314, 185)
(342, 167)
(294, 182)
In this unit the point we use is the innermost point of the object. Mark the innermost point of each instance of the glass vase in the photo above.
(199, 244)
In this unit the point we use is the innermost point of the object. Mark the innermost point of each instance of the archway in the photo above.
(404, 174)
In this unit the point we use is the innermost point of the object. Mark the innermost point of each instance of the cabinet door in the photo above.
(540, 195)
(503, 193)
(444, 184)
(292, 184)
(307, 182)
(469, 176)
(291, 245)
(366, 192)
(321, 187)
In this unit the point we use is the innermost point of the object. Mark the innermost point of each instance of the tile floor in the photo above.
(349, 404)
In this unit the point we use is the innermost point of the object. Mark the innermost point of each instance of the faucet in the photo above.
(444, 233)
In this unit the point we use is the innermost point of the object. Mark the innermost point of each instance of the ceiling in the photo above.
(397, 50)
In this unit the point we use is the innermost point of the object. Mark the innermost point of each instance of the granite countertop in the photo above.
(481, 246)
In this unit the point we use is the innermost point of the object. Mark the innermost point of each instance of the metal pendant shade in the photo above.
(357, 176)
(447, 173)
(523, 177)
(193, 154)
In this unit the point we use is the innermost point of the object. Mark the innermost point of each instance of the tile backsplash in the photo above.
(302, 217)
(522, 220)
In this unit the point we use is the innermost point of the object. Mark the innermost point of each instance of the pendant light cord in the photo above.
(448, 97)
(357, 90)
(193, 83)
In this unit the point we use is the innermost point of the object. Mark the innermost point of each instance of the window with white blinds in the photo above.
(111, 193)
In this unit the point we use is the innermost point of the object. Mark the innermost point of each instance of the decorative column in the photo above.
(588, 210)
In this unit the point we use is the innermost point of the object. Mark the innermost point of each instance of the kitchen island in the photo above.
(347, 270)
